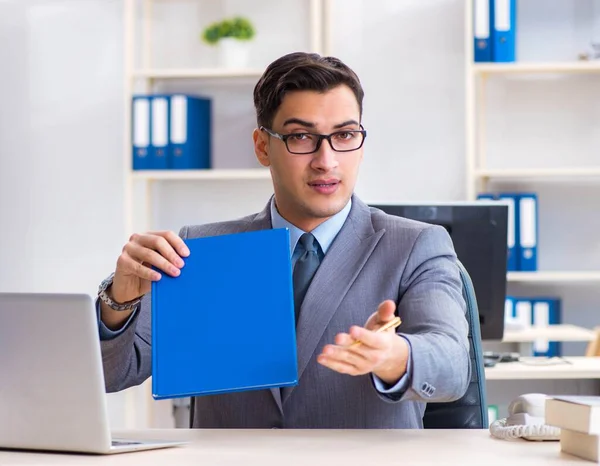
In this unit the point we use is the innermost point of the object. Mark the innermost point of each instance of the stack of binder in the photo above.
(494, 30)
(522, 229)
(578, 418)
(171, 132)
(521, 313)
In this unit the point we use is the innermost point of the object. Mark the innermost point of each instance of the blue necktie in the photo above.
(305, 268)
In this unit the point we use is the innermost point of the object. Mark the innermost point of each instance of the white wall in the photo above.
(410, 58)
(61, 114)
(61, 125)
(60, 143)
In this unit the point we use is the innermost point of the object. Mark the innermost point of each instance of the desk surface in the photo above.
(577, 367)
(318, 447)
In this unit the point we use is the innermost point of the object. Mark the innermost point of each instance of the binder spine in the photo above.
(190, 132)
(546, 311)
(140, 132)
(510, 312)
(523, 312)
(482, 23)
(504, 30)
(159, 147)
(528, 232)
(513, 235)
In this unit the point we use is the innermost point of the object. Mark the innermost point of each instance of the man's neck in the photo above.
(304, 224)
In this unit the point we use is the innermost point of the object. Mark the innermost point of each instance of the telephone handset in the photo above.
(526, 416)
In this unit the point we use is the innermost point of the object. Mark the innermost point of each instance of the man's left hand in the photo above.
(385, 354)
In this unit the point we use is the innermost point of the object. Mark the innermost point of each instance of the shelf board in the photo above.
(197, 73)
(558, 67)
(558, 332)
(549, 277)
(211, 174)
(532, 368)
(539, 173)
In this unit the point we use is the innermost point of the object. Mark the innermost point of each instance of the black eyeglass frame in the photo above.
(285, 137)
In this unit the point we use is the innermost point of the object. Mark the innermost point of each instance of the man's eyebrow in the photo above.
(346, 123)
(308, 124)
(291, 121)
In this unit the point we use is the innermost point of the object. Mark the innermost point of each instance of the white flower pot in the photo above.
(233, 53)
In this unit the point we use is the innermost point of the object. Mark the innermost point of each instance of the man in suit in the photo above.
(355, 267)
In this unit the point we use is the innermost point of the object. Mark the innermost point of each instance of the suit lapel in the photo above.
(262, 220)
(343, 262)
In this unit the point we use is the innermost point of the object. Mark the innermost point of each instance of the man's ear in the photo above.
(261, 147)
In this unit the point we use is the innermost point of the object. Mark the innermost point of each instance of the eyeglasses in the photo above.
(308, 143)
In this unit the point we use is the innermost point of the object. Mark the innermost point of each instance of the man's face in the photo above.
(310, 188)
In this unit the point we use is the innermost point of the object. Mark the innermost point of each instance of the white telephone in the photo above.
(526, 416)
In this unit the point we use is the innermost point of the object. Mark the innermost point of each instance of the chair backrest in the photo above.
(470, 411)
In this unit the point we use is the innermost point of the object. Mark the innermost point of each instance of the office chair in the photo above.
(470, 411)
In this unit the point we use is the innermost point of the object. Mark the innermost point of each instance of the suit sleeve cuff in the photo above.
(105, 332)
(397, 390)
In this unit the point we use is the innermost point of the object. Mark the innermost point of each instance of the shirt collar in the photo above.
(325, 233)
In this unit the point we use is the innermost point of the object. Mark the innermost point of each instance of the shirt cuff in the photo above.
(399, 387)
(105, 332)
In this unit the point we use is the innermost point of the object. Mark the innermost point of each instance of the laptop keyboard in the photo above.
(122, 443)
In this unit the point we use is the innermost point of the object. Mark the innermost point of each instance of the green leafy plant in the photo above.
(238, 28)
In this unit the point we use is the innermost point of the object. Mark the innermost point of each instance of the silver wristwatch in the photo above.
(103, 295)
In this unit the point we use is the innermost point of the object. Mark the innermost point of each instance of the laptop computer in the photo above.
(52, 392)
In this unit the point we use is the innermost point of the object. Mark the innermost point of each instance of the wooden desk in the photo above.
(314, 448)
(577, 367)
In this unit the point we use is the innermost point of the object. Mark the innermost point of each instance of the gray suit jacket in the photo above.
(374, 257)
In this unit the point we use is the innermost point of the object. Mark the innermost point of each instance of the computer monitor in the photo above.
(479, 232)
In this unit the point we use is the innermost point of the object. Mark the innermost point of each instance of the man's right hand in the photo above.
(134, 274)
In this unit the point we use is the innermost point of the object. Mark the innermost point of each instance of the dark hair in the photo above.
(300, 71)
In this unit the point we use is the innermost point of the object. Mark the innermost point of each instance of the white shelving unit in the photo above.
(152, 74)
(214, 174)
(559, 332)
(553, 277)
(483, 69)
(541, 368)
(538, 174)
(478, 174)
(144, 78)
(478, 177)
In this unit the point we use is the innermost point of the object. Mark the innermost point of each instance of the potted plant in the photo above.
(232, 36)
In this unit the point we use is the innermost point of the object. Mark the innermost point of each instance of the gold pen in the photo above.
(394, 323)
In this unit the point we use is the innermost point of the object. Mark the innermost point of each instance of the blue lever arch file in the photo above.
(504, 30)
(546, 311)
(141, 132)
(528, 232)
(483, 20)
(226, 323)
(159, 134)
(514, 231)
